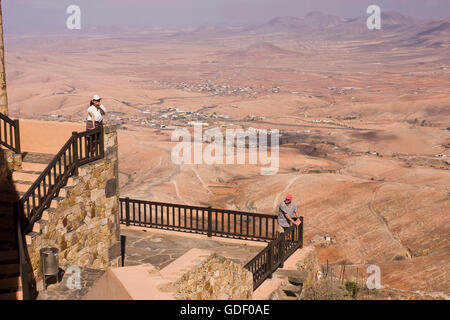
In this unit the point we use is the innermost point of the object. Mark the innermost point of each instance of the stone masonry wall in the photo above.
(86, 226)
(9, 162)
(217, 278)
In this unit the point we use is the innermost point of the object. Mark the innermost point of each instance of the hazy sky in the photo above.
(50, 15)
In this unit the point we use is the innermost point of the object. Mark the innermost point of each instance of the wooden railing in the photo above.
(81, 148)
(203, 220)
(221, 223)
(273, 256)
(9, 133)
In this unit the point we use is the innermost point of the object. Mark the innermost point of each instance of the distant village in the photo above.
(217, 88)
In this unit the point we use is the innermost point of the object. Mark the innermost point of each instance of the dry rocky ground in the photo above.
(366, 141)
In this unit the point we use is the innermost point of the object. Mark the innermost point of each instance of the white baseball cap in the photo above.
(96, 97)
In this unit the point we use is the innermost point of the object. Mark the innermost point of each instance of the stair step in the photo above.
(7, 235)
(11, 283)
(8, 255)
(37, 157)
(39, 225)
(11, 296)
(6, 208)
(11, 268)
(46, 213)
(29, 237)
(10, 197)
(24, 175)
(8, 245)
(7, 227)
(54, 203)
(292, 289)
(20, 178)
(22, 186)
(31, 166)
(6, 221)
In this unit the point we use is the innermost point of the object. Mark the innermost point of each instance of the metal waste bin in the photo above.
(49, 263)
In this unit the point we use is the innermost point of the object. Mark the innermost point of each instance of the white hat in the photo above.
(96, 97)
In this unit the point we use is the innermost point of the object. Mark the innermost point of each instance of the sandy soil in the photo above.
(367, 161)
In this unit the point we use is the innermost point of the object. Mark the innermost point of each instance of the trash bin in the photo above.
(49, 263)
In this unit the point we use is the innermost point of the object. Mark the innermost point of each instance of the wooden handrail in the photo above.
(54, 177)
(10, 133)
(80, 148)
(280, 248)
(275, 254)
(207, 220)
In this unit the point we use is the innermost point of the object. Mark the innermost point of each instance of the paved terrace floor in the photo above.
(159, 248)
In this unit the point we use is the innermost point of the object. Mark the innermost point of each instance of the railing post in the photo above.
(127, 211)
(282, 248)
(270, 259)
(17, 136)
(209, 222)
(23, 265)
(76, 156)
(300, 233)
(102, 142)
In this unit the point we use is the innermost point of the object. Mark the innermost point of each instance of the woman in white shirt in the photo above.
(96, 111)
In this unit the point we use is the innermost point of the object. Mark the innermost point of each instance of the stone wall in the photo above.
(85, 226)
(217, 278)
(310, 266)
(9, 162)
(3, 95)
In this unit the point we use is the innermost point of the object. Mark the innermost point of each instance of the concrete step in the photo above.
(11, 283)
(6, 208)
(9, 255)
(292, 289)
(29, 237)
(10, 268)
(47, 213)
(29, 177)
(8, 245)
(24, 175)
(23, 186)
(39, 226)
(7, 235)
(32, 166)
(7, 228)
(10, 197)
(6, 221)
(55, 201)
(12, 296)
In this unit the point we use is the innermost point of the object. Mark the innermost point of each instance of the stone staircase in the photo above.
(290, 287)
(32, 166)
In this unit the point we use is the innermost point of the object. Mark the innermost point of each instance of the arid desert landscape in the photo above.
(364, 118)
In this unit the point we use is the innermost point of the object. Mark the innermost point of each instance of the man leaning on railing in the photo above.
(286, 213)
